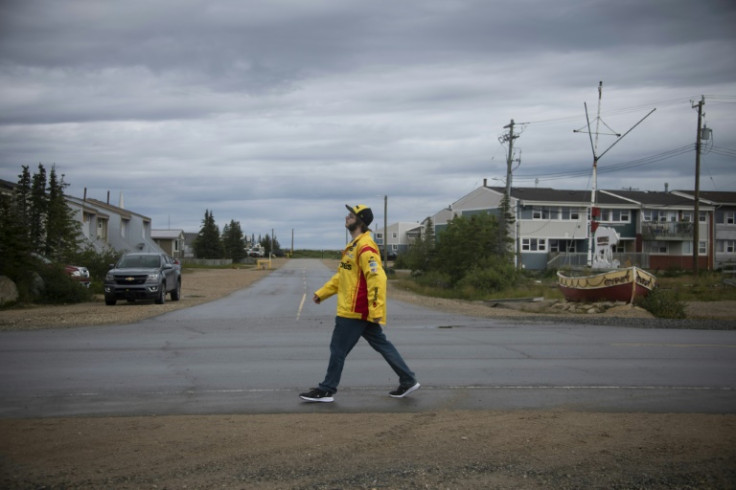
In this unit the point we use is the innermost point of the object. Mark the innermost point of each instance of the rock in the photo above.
(8, 290)
(38, 286)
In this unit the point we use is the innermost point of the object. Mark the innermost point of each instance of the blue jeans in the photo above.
(346, 334)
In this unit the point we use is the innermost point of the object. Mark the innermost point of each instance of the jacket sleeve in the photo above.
(375, 278)
(329, 288)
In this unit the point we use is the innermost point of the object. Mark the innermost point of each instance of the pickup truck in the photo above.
(143, 276)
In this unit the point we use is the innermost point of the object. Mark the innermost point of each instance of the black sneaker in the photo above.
(317, 395)
(402, 391)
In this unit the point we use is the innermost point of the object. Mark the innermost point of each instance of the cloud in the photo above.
(276, 113)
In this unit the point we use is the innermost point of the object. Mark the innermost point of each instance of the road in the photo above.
(255, 350)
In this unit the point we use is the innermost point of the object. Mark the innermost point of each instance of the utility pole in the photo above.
(506, 207)
(696, 218)
(385, 229)
(510, 159)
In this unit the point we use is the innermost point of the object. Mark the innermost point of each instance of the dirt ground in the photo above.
(444, 449)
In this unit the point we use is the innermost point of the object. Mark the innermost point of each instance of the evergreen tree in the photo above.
(14, 244)
(233, 241)
(207, 245)
(62, 230)
(270, 245)
(22, 201)
(38, 210)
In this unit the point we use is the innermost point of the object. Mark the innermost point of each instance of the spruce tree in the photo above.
(62, 230)
(22, 201)
(38, 209)
(233, 241)
(207, 244)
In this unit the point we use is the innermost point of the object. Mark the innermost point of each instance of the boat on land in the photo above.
(625, 285)
(606, 281)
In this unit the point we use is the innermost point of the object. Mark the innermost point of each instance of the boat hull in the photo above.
(617, 285)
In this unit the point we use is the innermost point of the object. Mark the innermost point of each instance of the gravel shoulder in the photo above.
(444, 449)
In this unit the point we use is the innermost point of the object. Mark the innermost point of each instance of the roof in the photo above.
(167, 234)
(713, 197)
(654, 198)
(530, 195)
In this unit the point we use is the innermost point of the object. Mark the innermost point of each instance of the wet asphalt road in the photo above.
(254, 351)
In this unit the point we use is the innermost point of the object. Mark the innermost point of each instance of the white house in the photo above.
(399, 237)
(107, 226)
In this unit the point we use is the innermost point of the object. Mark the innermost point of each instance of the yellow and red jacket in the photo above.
(360, 282)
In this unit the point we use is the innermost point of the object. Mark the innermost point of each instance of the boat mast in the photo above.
(593, 224)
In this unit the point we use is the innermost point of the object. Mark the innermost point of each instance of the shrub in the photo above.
(485, 279)
(662, 303)
(434, 279)
(58, 287)
(98, 263)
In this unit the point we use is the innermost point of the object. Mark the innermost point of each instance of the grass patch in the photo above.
(708, 286)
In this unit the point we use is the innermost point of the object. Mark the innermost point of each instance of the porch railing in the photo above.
(561, 260)
(667, 231)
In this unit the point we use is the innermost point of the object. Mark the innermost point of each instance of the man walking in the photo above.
(360, 285)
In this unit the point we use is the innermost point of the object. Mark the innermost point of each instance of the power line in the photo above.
(649, 160)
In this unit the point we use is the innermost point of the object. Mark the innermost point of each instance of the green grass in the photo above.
(707, 286)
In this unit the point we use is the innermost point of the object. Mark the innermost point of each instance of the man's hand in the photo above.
(377, 320)
(316, 299)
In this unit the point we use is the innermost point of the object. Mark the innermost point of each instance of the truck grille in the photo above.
(130, 280)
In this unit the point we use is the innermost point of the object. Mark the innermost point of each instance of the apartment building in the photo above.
(552, 227)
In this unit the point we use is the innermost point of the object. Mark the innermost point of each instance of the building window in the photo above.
(534, 244)
(102, 229)
(572, 214)
(615, 215)
(702, 248)
(562, 246)
(657, 247)
(729, 217)
(726, 246)
(703, 216)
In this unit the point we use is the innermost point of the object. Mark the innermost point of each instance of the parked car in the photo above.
(76, 272)
(256, 251)
(143, 276)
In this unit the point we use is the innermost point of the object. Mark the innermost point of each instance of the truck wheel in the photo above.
(110, 300)
(161, 298)
(176, 293)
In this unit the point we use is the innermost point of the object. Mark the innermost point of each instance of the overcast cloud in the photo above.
(277, 113)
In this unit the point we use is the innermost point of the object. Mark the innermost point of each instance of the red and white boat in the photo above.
(624, 284)
(611, 283)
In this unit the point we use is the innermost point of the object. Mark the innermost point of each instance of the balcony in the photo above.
(667, 231)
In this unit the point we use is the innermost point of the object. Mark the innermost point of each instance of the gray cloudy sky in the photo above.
(276, 113)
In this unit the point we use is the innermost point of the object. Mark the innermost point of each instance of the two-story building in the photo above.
(171, 242)
(398, 239)
(665, 229)
(724, 224)
(105, 226)
(552, 227)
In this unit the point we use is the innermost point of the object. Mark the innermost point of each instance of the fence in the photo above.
(206, 262)
(577, 260)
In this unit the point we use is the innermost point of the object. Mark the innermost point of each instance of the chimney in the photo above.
(666, 187)
(85, 195)
(108, 197)
(485, 182)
